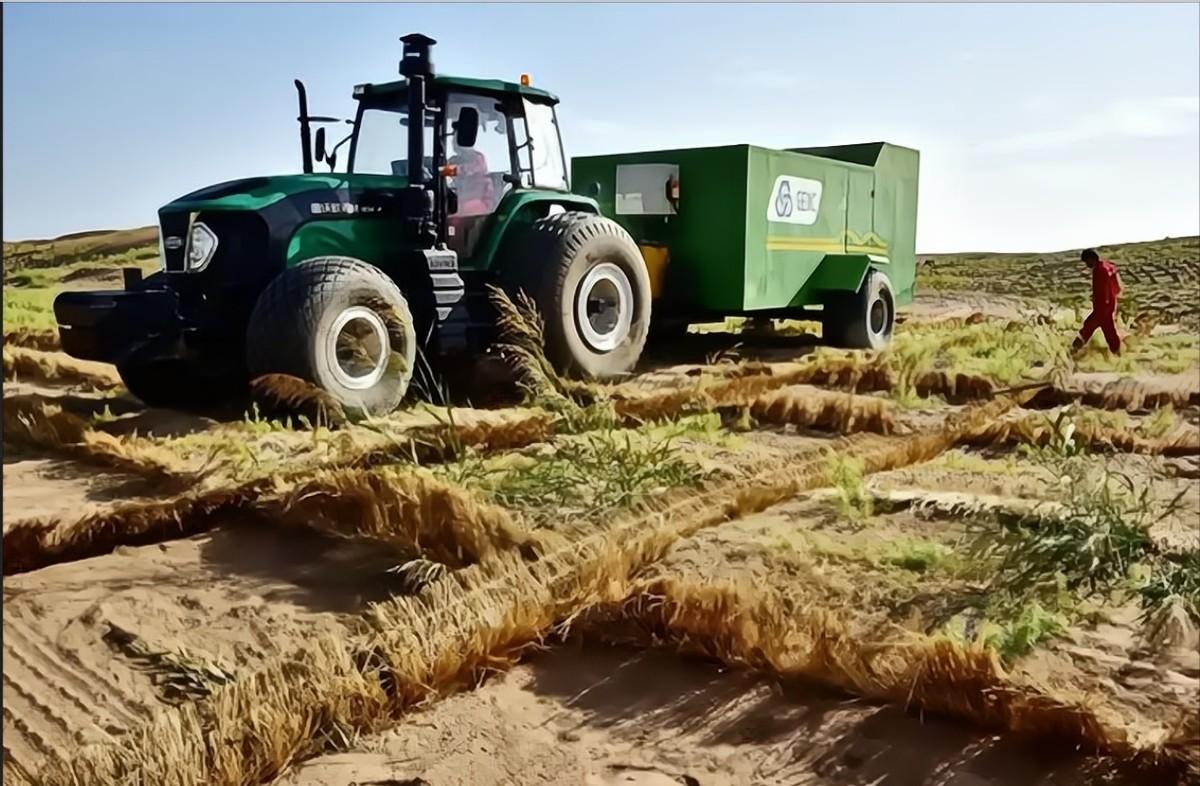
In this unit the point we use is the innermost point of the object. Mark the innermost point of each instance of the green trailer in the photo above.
(452, 188)
(745, 230)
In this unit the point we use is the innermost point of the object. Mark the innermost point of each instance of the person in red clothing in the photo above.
(1106, 286)
(472, 182)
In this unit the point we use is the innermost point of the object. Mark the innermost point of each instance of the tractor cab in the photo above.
(480, 140)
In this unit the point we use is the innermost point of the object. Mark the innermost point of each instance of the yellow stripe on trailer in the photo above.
(828, 245)
(824, 244)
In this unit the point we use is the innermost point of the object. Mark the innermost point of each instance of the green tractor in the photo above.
(454, 185)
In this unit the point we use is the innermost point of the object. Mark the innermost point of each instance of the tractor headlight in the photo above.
(202, 244)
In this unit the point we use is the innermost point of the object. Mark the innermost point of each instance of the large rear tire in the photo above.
(863, 319)
(592, 289)
(340, 324)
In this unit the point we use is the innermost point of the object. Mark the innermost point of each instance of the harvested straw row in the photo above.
(283, 394)
(1124, 394)
(863, 374)
(444, 523)
(36, 422)
(1034, 429)
(747, 626)
(852, 373)
(37, 543)
(822, 409)
(475, 621)
(22, 364)
(32, 338)
(413, 512)
(431, 444)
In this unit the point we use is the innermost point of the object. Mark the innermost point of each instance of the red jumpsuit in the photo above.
(472, 182)
(1106, 286)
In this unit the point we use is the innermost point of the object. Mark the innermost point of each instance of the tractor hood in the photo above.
(234, 226)
(257, 193)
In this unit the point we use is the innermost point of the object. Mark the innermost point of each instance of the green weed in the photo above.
(919, 556)
(1033, 625)
(579, 477)
(1159, 423)
(854, 501)
(1173, 579)
(1093, 547)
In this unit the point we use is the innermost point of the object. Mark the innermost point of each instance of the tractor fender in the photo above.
(520, 208)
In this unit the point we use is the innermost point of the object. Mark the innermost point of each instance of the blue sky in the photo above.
(1041, 127)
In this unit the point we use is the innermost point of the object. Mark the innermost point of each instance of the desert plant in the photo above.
(1091, 545)
(1033, 624)
(1172, 579)
(1160, 422)
(600, 471)
(919, 556)
(847, 474)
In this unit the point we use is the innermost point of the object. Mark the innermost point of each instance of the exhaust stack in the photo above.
(417, 68)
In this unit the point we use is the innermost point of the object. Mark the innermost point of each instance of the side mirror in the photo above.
(320, 145)
(466, 127)
(592, 190)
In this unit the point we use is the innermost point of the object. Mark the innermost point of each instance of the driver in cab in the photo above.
(472, 181)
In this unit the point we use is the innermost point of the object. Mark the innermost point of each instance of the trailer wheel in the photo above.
(591, 285)
(862, 319)
(340, 324)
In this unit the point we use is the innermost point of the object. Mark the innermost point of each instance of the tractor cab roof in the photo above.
(466, 84)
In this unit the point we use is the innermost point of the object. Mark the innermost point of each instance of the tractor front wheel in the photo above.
(592, 289)
(862, 319)
(340, 324)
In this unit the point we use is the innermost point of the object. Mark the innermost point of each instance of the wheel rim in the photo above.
(358, 346)
(604, 307)
(878, 323)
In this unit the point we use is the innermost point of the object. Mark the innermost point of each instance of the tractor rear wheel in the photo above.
(862, 319)
(340, 324)
(592, 289)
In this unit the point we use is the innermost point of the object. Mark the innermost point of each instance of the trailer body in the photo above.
(742, 229)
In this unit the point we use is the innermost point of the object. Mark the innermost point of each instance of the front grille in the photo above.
(241, 258)
(174, 230)
(218, 299)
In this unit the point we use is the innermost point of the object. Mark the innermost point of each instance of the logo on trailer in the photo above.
(794, 200)
(173, 243)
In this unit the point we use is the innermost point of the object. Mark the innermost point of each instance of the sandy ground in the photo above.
(808, 551)
(233, 596)
(579, 714)
(594, 716)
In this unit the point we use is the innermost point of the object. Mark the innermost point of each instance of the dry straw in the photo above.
(825, 410)
(747, 626)
(413, 512)
(285, 394)
(31, 365)
(32, 338)
(475, 621)
(36, 543)
(33, 421)
(1035, 429)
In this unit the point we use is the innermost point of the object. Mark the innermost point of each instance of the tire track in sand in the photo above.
(51, 707)
(93, 692)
